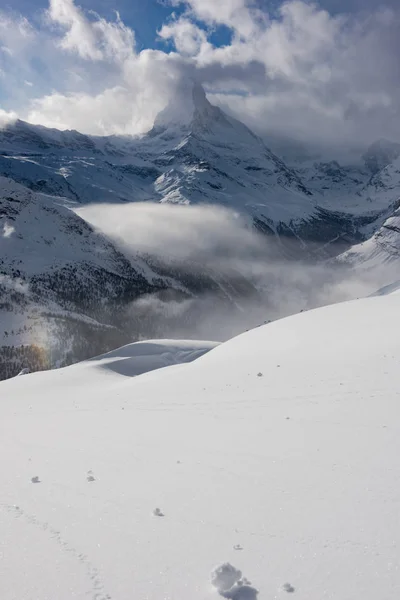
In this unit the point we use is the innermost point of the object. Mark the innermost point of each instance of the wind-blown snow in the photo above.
(141, 357)
(291, 476)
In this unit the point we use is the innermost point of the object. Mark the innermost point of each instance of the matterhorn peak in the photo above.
(190, 112)
(188, 103)
(199, 97)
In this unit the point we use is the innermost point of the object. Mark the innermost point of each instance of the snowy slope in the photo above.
(31, 221)
(382, 249)
(141, 357)
(276, 452)
(382, 246)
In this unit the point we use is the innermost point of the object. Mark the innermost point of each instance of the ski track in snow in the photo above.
(96, 590)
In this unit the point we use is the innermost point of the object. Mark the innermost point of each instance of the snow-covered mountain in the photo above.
(60, 283)
(55, 269)
(268, 468)
(380, 250)
(381, 247)
(209, 157)
(66, 292)
(380, 154)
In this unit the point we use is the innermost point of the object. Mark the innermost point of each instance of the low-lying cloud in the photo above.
(13, 284)
(256, 283)
(205, 234)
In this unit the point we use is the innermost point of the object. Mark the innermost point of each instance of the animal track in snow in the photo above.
(230, 584)
(287, 587)
(158, 513)
(97, 588)
(225, 576)
(35, 479)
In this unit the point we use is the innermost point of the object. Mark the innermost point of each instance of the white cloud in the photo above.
(7, 117)
(108, 111)
(14, 284)
(300, 71)
(95, 39)
(189, 39)
(202, 234)
(205, 238)
(79, 35)
(240, 15)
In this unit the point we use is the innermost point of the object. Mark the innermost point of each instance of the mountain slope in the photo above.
(60, 284)
(382, 246)
(204, 156)
(275, 452)
(380, 251)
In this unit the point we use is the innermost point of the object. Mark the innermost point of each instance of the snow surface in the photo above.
(285, 483)
(44, 234)
(379, 251)
(141, 357)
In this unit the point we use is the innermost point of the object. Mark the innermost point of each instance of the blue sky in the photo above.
(147, 16)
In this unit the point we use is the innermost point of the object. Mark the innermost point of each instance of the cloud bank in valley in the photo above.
(214, 241)
(207, 235)
(299, 71)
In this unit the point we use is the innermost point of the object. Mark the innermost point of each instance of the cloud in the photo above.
(7, 117)
(189, 39)
(326, 78)
(203, 235)
(300, 71)
(107, 112)
(241, 16)
(203, 240)
(95, 39)
(13, 284)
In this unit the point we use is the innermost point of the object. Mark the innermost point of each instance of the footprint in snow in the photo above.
(287, 587)
(158, 513)
(35, 479)
(90, 476)
(237, 547)
(230, 584)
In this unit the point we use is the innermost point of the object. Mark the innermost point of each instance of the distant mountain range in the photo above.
(66, 291)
